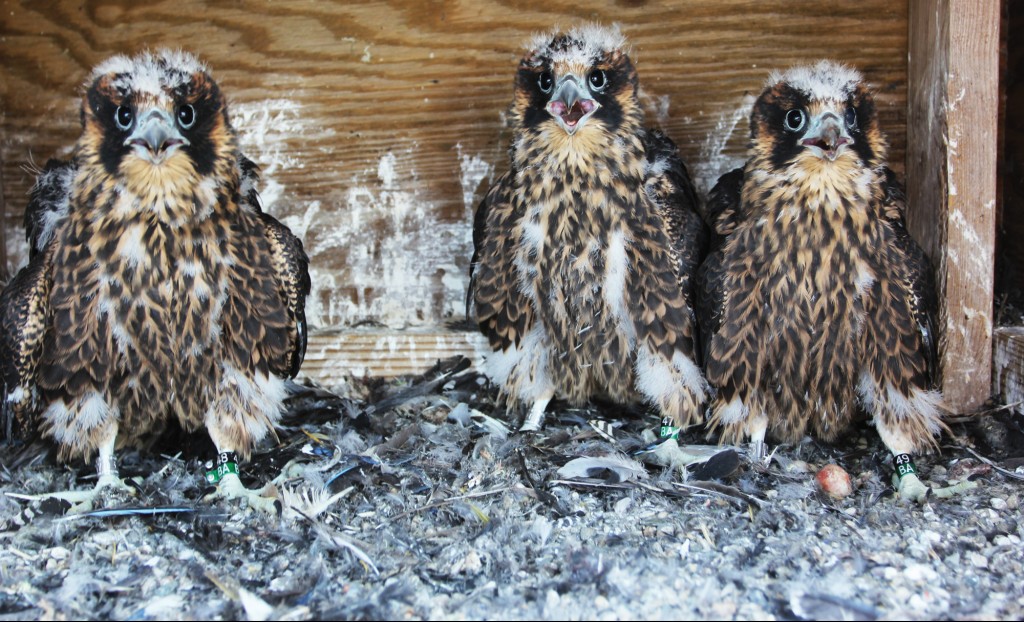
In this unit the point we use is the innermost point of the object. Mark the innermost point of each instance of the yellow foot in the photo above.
(911, 488)
(758, 452)
(230, 487)
(82, 501)
(535, 418)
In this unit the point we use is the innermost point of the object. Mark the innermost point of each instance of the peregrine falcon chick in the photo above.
(157, 288)
(814, 300)
(586, 249)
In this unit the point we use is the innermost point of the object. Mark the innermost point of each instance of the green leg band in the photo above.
(227, 462)
(667, 429)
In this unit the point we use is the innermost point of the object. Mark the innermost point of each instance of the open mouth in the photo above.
(830, 149)
(571, 115)
(165, 146)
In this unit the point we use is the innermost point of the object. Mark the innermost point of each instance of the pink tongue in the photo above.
(579, 108)
(820, 144)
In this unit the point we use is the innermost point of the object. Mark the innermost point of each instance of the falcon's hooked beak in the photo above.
(156, 136)
(827, 136)
(571, 103)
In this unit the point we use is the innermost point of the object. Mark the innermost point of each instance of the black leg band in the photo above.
(904, 465)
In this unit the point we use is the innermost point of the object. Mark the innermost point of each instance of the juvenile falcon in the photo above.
(157, 287)
(585, 250)
(814, 300)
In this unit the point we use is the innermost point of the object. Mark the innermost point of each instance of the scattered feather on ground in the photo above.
(413, 499)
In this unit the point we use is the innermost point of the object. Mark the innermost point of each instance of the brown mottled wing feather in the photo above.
(479, 236)
(721, 213)
(289, 266)
(23, 308)
(923, 301)
(666, 318)
(291, 269)
(669, 186)
(248, 178)
(77, 350)
(48, 203)
(502, 311)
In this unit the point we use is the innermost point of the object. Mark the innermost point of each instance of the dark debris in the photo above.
(398, 515)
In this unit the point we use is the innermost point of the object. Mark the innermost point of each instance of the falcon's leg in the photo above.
(521, 370)
(905, 480)
(739, 420)
(106, 467)
(229, 486)
(677, 386)
(535, 419)
(245, 413)
(757, 427)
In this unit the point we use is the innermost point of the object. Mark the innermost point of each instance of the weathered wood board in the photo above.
(334, 355)
(1008, 366)
(379, 124)
(951, 162)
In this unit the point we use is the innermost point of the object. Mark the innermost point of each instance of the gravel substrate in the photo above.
(404, 502)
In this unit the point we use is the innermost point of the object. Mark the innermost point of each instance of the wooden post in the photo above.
(952, 127)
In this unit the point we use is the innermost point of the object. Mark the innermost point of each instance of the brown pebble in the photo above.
(834, 480)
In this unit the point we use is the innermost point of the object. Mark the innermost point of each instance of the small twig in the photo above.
(549, 499)
(728, 492)
(596, 483)
(992, 464)
(130, 511)
(983, 413)
(339, 539)
(437, 504)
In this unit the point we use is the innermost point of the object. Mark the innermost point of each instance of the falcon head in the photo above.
(576, 88)
(815, 117)
(157, 123)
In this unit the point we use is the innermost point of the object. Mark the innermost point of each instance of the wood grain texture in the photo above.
(952, 162)
(379, 124)
(334, 355)
(1008, 366)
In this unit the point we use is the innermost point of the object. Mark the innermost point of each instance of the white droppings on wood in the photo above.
(380, 251)
(473, 170)
(712, 162)
(656, 107)
(979, 261)
(265, 130)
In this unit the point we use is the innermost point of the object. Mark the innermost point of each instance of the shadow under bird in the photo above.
(585, 250)
(157, 288)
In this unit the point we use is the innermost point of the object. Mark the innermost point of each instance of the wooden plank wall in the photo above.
(951, 169)
(378, 124)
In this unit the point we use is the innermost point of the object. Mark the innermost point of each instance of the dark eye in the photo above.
(851, 118)
(123, 117)
(545, 82)
(186, 116)
(795, 120)
(597, 79)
